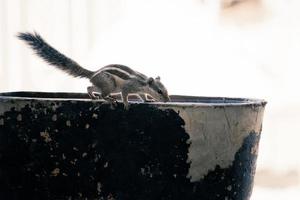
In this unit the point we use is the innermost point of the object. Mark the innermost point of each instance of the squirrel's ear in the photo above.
(150, 80)
(157, 78)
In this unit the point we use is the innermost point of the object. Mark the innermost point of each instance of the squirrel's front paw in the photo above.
(94, 97)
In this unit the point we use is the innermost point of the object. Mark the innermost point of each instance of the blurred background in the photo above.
(233, 48)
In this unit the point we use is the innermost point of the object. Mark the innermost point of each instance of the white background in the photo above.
(197, 47)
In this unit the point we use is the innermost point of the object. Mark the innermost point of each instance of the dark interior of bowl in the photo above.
(174, 98)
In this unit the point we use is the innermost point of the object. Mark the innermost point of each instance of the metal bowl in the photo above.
(66, 146)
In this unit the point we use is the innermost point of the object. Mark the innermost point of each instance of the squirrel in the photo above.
(110, 79)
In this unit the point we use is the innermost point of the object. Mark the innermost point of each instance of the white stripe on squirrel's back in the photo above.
(117, 71)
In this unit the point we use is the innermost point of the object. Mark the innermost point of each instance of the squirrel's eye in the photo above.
(159, 91)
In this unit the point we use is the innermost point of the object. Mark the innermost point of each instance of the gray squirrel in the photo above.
(106, 81)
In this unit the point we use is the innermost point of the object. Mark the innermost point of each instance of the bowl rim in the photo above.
(176, 100)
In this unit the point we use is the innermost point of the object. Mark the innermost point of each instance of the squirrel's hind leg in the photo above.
(104, 94)
(96, 93)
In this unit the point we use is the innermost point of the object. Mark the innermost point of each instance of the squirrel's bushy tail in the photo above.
(54, 57)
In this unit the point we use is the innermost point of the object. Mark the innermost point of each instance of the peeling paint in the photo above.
(45, 135)
(229, 188)
(54, 117)
(68, 123)
(95, 116)
(99, 187)
(216, 134)
(84, 154)
(105, 165)
(75, 149)
(55, 172)
(254, 149)
(19, 117)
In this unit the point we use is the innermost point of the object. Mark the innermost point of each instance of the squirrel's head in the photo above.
(157, 90)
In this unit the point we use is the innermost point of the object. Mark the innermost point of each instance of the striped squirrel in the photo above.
(106, 81)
